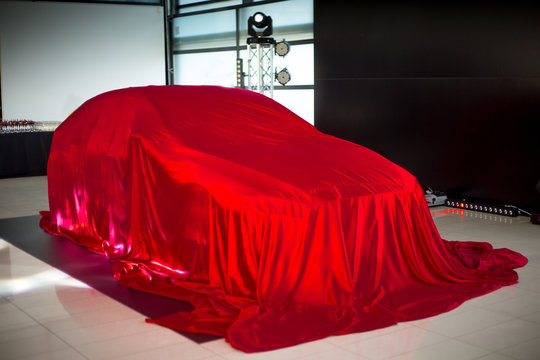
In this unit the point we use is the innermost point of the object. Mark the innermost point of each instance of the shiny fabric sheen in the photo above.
(277, 233)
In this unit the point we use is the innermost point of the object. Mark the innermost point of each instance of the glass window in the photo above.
(292, 20)
(212, 68)
(216, 29)
(204, 47)
(143, 2)
(299, 63)
(298, 101)
(215, 5)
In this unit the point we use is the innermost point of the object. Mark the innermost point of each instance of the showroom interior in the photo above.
(450, 91)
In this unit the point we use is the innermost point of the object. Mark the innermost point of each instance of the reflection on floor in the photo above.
(47, 314)
(92, 269)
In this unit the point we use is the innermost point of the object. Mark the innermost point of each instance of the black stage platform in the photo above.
(92, 269)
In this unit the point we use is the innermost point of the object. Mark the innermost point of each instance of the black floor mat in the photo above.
(92, 269)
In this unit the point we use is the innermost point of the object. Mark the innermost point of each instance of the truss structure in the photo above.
(260, 65)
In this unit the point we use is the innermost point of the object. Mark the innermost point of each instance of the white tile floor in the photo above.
(45, 314)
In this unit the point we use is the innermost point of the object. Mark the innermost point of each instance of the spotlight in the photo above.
(283, 76)
(282, 48)
(260, 25)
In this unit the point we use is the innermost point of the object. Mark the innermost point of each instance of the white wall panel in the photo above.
(55, 56)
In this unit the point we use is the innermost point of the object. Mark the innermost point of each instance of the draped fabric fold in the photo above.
(277, 233)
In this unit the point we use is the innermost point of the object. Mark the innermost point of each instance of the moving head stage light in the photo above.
(260, 25)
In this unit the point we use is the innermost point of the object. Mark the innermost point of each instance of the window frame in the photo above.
(176, 13)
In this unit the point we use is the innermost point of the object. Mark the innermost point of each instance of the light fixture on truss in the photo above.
(261, 48)
(282, 48)
(283, 76)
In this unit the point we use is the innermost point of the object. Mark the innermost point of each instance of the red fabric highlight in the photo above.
(277, 233)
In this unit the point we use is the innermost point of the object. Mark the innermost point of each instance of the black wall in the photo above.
(449, 90)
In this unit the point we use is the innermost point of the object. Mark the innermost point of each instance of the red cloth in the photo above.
(277, 233)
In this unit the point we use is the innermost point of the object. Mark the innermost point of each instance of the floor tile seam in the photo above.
(364, 356)
(526, 319)
(45, 327)
(508, 312)
(101, 342)
(367, 357)
(48, 331)
(461, 309)
(18, 310)
(22, 310)
(455, 337)
(477, 345)
(142, 330)
(355, 341)
(7, 302)
(207, 346)
(449, 338)
(515, 316)
(24, 299)
(211, 355)
(52, 351)
(79, 311)
(491, 352)
(22, 329)
(500, 351)
(16, 327)
(37, 291)
(3, 299)
(498, 323)
(511, 298)
(336, 346)
(529, 321)
(481, 306)
(47, 321)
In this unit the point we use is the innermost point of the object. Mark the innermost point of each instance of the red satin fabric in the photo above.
(276, 233)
